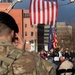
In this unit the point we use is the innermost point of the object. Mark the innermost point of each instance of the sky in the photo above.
(66, 13)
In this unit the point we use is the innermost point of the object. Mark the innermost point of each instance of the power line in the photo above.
(65, 4)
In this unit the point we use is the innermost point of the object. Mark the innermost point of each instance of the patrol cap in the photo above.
(9, 21)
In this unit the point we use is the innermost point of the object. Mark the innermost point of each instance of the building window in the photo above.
(25, 25)
(31, 41)
(31, 33)
(25, 33)
(26, 15)
(32, 26)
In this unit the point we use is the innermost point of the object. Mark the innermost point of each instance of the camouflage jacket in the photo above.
(17, 62)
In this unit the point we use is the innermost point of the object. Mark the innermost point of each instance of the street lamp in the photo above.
(19, 0)
(72, 1)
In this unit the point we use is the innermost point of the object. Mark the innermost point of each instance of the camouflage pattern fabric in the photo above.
(21, 62)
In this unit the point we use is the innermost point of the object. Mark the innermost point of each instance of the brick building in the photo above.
(28, 30)
(23, 20)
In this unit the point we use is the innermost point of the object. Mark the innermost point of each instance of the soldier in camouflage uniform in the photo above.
(14, 60)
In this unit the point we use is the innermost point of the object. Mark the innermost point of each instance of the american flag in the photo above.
(55, 40)
(43, 12)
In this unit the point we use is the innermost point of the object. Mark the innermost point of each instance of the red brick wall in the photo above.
(4, 6)
(29, 28)
(17, 15)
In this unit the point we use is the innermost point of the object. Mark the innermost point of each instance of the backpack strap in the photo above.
(7, 61)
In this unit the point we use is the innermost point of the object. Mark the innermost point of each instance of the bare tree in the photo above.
(65, 37)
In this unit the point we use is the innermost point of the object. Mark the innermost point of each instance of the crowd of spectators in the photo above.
(62, 60)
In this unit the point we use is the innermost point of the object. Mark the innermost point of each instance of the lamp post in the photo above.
(19, 0)
(72, 1)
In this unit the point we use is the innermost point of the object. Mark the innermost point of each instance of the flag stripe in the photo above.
(43, 12)
(39, 12)
(56, 10)
(52, 14)
(55, 40)
(30, 12)
(45, 7)
(48, 13)
(34, 12)
(54, 3)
